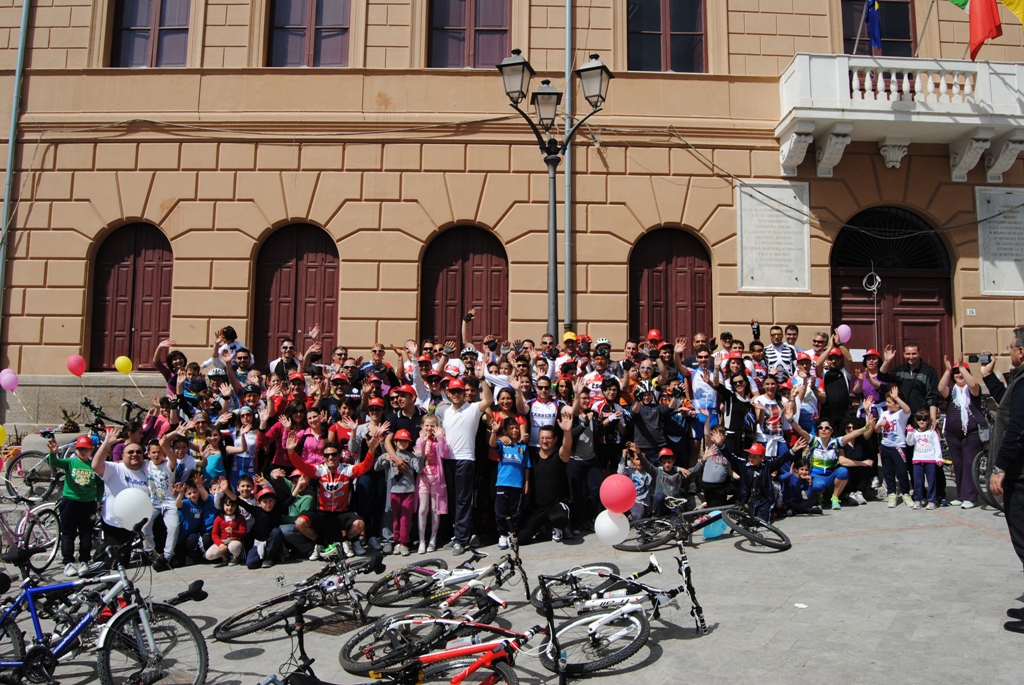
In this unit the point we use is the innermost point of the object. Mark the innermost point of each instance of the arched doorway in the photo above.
(296, 288)
(913, 303)
(131, 303)
(669, 285)
(464, 267)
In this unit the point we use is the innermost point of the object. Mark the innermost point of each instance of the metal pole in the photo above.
(860, 29)
(924, 28)
(6, 219)
(567, 229)
(552, 162)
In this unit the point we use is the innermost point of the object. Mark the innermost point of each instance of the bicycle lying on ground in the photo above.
(333, 586)
(140, 641)
(651, 533)
(431, 579)
(620, 594)
(29, 474)
(29, 540)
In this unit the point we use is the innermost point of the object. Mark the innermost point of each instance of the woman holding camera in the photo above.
(965, 423)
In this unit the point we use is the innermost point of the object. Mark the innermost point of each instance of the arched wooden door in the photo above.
(913, 302)
(296, 288)
(131, 311)
(464, 267)
(669, 285)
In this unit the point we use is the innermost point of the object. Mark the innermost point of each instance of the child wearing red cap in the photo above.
(401, 465)
(82, 490)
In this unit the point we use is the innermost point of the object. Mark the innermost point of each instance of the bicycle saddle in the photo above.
(5, 583)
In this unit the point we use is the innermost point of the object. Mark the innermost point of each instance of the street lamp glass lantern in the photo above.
(546, 100)
(594, 78)
(516, 73)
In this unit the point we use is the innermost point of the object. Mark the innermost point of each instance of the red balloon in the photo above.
(618, 493)
(76, 364)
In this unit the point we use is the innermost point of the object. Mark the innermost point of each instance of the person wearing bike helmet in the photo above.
(650, 416)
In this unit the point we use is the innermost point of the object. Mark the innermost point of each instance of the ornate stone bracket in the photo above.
(965, 153)
(793, 146)
(1003, 154)
(831, 147)
(893, 151)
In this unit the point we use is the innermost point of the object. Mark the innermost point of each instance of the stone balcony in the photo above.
(829, 101)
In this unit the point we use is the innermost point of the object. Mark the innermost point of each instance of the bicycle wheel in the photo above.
(180, 655)
(586, 577)
(495, 674)
(382, 643)
(462, 606)
(403, 583)
(981, 471)
(593, 642)
(754, 529)
(257, 617)
(647, 534)
(29, 475)
(12, 640)
(42, 532)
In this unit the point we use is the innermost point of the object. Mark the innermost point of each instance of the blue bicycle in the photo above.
(139, 641)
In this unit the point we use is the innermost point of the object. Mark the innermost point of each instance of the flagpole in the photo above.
(924, 28)
(860, 29)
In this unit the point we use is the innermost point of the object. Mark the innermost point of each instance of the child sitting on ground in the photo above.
(797, 486)
(194, 504)
(668, 481)
(227, 533)
(713, 467)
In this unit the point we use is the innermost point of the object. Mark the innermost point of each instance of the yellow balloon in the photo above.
(3, 435)
(123, 364)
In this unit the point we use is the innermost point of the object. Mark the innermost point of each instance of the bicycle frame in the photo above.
(28, 598)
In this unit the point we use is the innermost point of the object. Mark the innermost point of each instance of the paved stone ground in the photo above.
(891, 596)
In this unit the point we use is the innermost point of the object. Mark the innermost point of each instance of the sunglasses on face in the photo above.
(373, 409)
(543, 387)
(824, 428)
(133, 451)
(702, 356)
(739, 383)
(331, 455)
(287, 347)
(819, 342)
(376, 350)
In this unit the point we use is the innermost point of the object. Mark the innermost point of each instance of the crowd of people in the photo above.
(253, 461)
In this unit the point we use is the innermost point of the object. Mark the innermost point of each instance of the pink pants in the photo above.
(403, 505)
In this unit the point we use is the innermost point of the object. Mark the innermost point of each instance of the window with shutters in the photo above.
(666, 35)
(150, 33)
(309, 33)
(896, 18)
(132, 283)
(469, 33)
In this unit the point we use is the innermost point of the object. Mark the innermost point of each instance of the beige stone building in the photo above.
(272, 163)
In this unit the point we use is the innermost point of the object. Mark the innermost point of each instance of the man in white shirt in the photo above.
(460, 423)
(117, 477)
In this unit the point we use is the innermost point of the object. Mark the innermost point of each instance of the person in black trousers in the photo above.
(549, 483)
(1006, 444)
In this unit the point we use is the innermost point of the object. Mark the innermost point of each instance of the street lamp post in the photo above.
(594, 77)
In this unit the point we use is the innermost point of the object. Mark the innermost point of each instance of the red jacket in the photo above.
(224, 530)
(334, 487)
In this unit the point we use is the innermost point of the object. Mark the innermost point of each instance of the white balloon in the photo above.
(611, 528)
(132, 505)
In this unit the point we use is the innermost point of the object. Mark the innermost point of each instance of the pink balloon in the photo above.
(8, 380)
(844, 333)
(618, 493)
(76, 364)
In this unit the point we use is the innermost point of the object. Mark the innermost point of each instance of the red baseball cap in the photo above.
(375, 402)
(756, 448)
(456, 384)
(403, 435)
(665, 452)
(424, 359)
(654, 334)
(736, 355)
(803, 357)
(84, 442)
(265, 492)
(434, 373)
(406, 388)
(872, 352)
(835, 352)
(296, 376)
(339, 377)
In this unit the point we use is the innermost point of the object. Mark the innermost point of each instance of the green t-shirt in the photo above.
(81, 483)
(299, 506)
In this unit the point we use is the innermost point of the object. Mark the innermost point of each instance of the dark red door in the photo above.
(131, 296)
(913, 302)
(669, 285)
(296, 288)
(464, 267)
